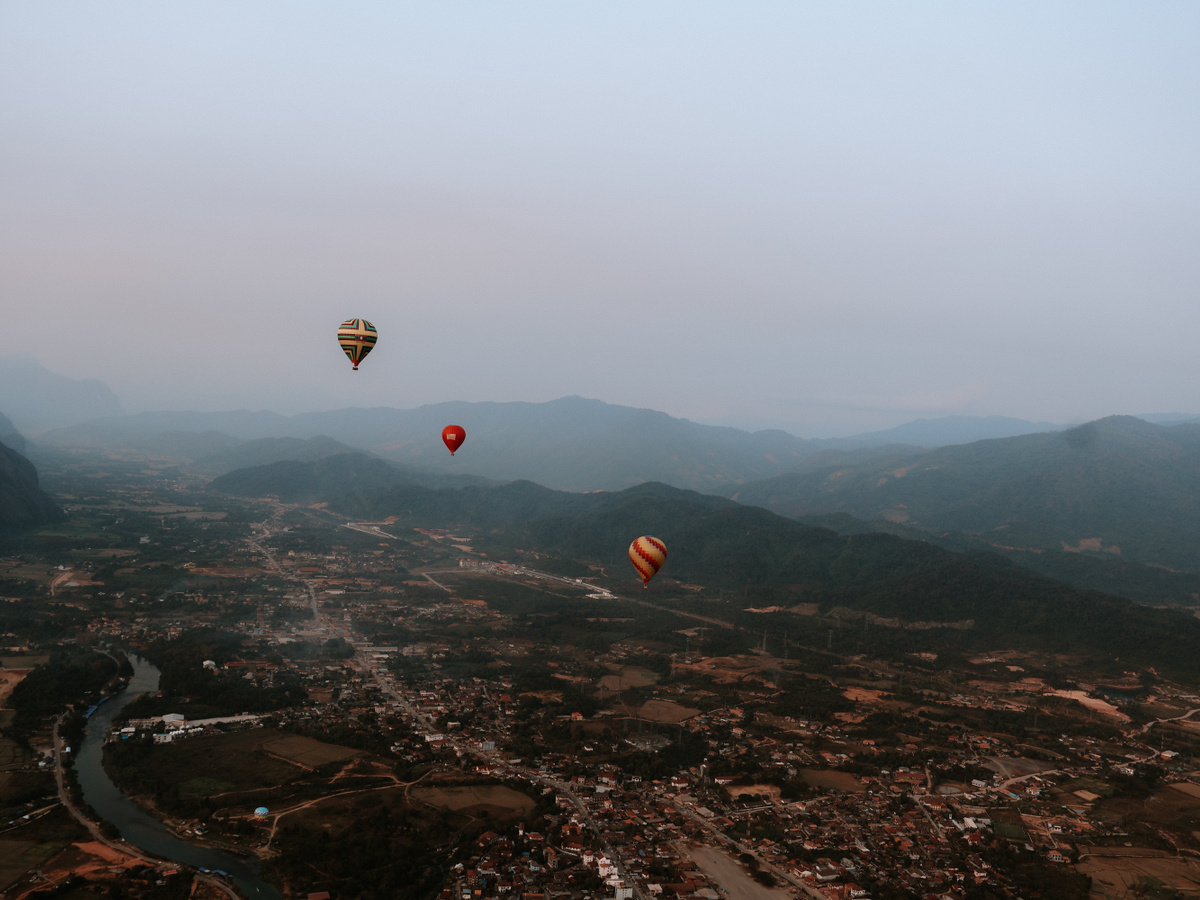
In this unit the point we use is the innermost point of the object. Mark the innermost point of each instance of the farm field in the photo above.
(242, 761)
(11, 753)
(1120, 872)
(666, 712)
(829, 778)
(495, 799)
(41, 841)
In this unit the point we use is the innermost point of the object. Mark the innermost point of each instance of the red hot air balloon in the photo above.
(453, 436)
(647, 555)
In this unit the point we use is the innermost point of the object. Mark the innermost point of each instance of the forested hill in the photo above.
(23, 504)
(264, 451)
(1120, 487)
(776, 561)
(10, 436)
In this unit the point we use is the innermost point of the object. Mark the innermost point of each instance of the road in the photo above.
(1186, 715)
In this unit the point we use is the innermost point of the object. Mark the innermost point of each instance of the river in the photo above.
(133, 823)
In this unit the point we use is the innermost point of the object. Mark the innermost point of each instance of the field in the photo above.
(18, 857)
(338, 813)
(39, 841)
(1171, 807)
(19, 787)
(11, 754)
(827, 778)
(103, 553)
(731, 669)
(245, 760)
(23, 662)
(307, 752)
(628, 677)
(494, 799)
(1120, 872)
(665, 712)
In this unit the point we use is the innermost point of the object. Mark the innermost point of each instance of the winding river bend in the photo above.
(133, 823)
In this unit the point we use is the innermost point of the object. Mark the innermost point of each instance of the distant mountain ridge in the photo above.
(37, 399)
(1119, 486)
(949, 430)
(571, 443)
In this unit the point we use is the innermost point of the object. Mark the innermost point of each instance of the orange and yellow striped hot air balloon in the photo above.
(357, 337)
(647, 555)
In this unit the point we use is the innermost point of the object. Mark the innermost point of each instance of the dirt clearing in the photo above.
(729, 875)
(474, 798)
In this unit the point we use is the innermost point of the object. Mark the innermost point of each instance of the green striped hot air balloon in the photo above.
(357, 337)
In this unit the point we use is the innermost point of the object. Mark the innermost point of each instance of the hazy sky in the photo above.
(826, 217)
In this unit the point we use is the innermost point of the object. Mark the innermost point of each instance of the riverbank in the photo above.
(140, 832)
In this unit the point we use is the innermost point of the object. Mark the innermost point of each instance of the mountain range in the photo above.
(570, 444)
(1118, 488)
(1109, 506)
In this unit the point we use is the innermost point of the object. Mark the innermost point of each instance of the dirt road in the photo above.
(730, 876)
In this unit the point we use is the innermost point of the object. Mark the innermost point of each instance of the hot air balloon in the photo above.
(647, 555)
(357, 337)
(453, 436)
(261, 813)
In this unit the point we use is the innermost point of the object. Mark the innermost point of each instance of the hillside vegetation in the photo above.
(23, 504)
(1119, 488)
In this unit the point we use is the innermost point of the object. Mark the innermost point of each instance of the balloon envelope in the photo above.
(647, 555)
(357, 337)
(453, 436)
(261, 812)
